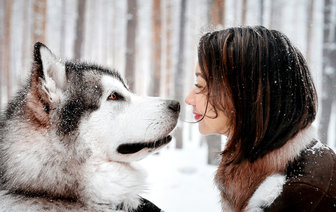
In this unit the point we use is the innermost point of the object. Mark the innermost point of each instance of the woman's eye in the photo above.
(198, 86)
(114, 96)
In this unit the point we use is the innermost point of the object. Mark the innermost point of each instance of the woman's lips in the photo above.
(197, 116)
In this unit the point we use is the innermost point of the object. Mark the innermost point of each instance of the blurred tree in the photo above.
(214, 148)
(113, 33)
(244, 9)
(169, 30)
(131, 39)
(179, 74)
(39, 29)
(275, 14)
(27, 40)
(217, 12)
(89, 28)
(106, 16)
(216, 9)
(310, 13)
(62, 36)
(8, 9)
(2, 55)
(156, 47)
(261, 18)
(329, 69)
(79, 29)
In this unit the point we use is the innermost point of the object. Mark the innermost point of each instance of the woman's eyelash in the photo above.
(198, 86)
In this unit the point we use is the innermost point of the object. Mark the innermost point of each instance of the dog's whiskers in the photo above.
(147, 130)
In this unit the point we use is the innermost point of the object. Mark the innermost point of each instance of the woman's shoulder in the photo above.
(316, 166)
(310, 182)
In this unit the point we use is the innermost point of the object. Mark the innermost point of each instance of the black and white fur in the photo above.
(68, 139)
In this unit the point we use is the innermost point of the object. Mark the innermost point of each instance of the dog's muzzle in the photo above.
(175, 106)
(131, 148)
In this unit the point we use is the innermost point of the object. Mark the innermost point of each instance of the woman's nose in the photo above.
(189, 100)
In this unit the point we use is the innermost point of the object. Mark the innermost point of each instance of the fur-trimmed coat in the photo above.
(300, 176)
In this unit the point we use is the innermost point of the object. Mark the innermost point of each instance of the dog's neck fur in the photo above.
(59, 171)
(237, 183)
(105, 183)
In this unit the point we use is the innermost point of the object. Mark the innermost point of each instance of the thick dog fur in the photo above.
(70, 135)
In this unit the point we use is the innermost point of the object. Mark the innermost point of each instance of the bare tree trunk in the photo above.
(2, 54)
(329, 70)
(92, 28)
(261, 12)
(114, 24)
(8, 17)
(179, 75)
(26, 41)
(310, 26)
(79, 29)
(168, 46)
(223, 13)
(131, 36)
(214, 148)
(156, 47)
(218, 12)
(39, 28)
(274, 23)
(105, 33)
(244, 9)
(62, 37)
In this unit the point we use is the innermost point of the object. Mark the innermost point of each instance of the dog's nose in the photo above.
(174, 106)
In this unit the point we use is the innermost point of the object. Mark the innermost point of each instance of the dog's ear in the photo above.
(47, 85)
(48, 74)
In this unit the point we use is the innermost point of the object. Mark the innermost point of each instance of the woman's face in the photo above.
(198, 99)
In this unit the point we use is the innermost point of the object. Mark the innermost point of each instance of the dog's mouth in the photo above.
(136, 147)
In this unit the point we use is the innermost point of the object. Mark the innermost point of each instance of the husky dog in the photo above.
(69, 137)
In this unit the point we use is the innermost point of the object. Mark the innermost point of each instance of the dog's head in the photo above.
(87, 103)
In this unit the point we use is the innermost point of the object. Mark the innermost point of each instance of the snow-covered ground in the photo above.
(181, 180)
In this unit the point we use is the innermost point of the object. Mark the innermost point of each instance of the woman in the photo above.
(255, 87)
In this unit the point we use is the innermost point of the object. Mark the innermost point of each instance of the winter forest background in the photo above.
(153, 43)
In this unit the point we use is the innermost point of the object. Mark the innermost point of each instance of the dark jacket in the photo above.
(311, 182)
(147, 206)
(299, 176)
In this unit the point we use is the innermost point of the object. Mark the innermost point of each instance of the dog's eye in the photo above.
(114, 96)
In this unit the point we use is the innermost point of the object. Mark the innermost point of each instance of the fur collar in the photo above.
(237, 183)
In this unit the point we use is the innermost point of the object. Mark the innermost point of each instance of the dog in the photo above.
(71, 135)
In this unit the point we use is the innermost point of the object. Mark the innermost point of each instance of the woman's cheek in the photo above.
(202, 106)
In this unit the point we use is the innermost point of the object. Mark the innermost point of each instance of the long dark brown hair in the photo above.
(262, 83)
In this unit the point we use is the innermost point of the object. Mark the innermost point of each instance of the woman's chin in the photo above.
(204, 131)
(209, 132)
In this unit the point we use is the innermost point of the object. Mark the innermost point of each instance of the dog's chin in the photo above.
(132, 148)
